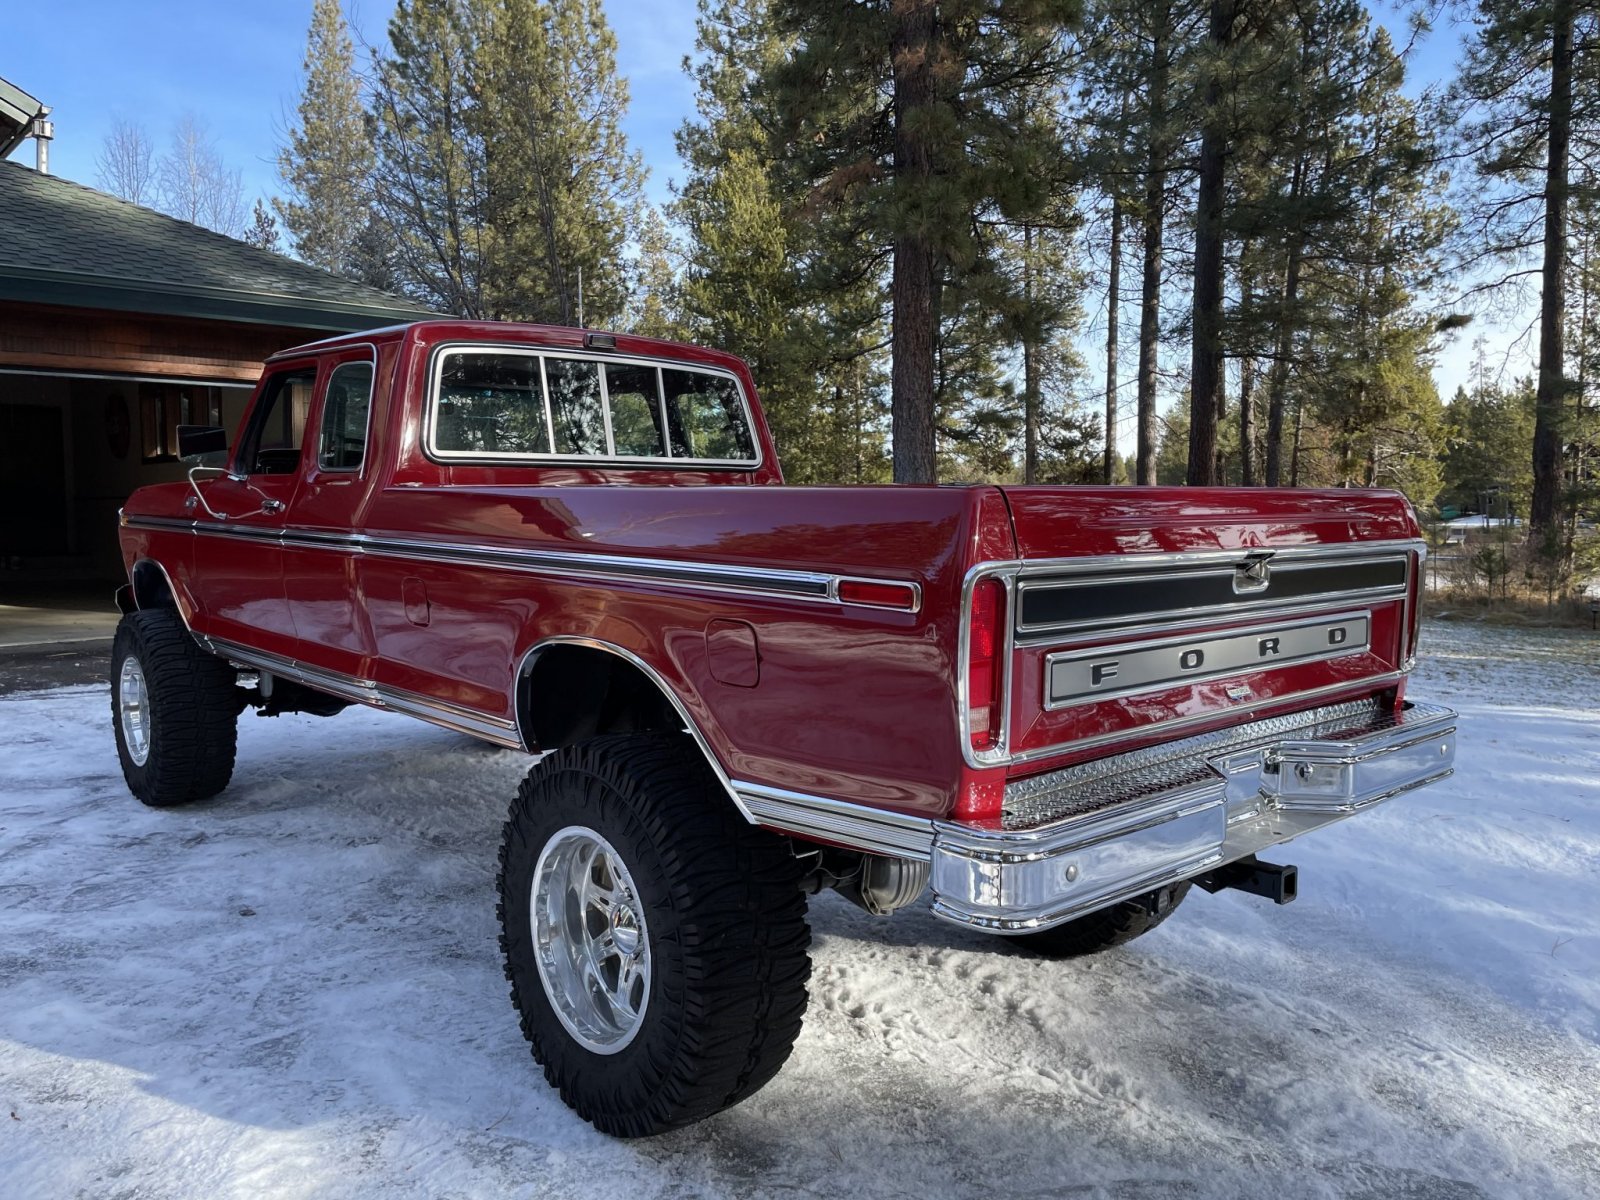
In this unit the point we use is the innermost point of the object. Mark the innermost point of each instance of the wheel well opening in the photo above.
(568, 693)
(151, 588)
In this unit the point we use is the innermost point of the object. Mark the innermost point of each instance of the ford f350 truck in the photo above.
(1051, 710)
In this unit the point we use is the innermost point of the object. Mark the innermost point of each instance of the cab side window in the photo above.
(272, 445)
(705, 418)
(345, 410)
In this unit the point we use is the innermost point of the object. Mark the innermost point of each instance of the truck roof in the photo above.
(562, 337)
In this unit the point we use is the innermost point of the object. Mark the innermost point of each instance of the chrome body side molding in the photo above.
(876, 830)
(362, 691)
(814, 586)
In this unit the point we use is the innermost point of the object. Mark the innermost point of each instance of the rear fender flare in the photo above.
(529, 661)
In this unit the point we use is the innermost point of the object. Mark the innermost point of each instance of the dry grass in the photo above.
(1518, 607)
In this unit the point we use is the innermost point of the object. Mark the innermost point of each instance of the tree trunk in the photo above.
(1206, 362)
(1155, 200)
(1278, 377)
(1247, 421)
(1294, 460)
(1553, 300)
(1113, 311)
(1030, 368)
(912, 50)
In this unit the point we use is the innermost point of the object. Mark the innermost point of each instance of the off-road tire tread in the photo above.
(1114, 926)
(194, 706)
(733, 906)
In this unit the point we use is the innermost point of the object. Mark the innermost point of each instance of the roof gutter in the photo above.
(74, 289)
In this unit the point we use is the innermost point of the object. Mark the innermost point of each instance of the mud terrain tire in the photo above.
(636, 848)
(177, 705)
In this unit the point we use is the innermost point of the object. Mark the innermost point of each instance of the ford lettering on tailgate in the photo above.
(1076, 676)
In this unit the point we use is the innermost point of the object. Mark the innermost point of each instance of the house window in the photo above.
(165, 406)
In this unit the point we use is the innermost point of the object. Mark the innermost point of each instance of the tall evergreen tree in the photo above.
(430, 182)
(761, 277)
(913, 173)
(503, 176)
(655, 304)
(1138, 84)
(326, 162)
(1530, 78)
(563, 188)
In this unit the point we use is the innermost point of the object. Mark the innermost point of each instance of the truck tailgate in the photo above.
(1140, 614)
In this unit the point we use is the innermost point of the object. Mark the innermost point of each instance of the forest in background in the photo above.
(970, 239)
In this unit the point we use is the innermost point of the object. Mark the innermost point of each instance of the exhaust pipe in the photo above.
(1278, 883)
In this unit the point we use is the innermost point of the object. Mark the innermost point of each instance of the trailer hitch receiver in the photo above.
(1278, 883)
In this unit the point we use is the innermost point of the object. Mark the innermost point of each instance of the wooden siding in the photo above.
(49, 338)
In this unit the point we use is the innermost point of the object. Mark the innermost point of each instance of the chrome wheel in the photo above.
(590, 939)
(133, 709)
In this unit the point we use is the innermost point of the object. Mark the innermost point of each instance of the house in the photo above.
(117, 324)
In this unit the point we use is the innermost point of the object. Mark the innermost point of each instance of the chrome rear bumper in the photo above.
(1080, 839)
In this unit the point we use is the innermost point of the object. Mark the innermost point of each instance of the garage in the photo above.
(118, 324)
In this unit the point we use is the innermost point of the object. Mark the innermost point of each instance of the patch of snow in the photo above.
(294, 990)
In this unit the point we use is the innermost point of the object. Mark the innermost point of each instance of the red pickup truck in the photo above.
(1053, 709)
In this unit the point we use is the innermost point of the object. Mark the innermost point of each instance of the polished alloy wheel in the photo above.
(133, 709)
(590, 939)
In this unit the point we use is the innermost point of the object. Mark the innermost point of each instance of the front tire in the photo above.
(174, 710)
(1114, 926)
(654, 940)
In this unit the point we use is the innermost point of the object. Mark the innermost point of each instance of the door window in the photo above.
(272, 446)
(344, 417)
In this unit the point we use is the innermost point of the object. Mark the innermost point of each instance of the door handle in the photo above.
(272, 506)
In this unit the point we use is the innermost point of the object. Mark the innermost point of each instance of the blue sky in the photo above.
(236, 66)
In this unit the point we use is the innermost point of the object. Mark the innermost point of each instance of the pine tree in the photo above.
(326, 164)
(563, 189)
(430, 181)
(1485, 464)
(1137, 97)
(263, 231)
(655, 303)
(761, 278)
(913, 176)
(1530, 78)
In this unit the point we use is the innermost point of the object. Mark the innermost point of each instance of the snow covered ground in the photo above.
(294, 990)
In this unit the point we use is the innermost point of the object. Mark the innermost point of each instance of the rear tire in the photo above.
(654, 940)
(1108, 927)
(174, 710)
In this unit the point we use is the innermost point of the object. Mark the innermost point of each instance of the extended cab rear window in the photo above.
(502, 403)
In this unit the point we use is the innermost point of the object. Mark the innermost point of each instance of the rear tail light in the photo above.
(985, 670)
(1414, 604)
